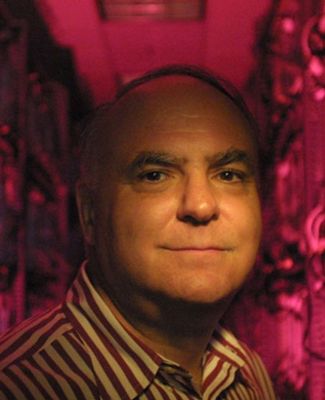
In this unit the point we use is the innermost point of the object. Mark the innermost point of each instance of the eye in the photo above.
(230, 175)
(152, 176)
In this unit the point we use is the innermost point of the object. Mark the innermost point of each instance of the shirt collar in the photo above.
(101, 332)
(228, 352)
(224, 344)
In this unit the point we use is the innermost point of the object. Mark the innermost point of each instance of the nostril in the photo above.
(189, 219)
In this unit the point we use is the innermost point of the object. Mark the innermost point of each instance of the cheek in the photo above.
(137, 217)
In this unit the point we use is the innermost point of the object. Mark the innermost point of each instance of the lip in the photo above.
(196, 249)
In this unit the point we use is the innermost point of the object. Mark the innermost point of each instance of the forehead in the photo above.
(173, 96)
(168, 106)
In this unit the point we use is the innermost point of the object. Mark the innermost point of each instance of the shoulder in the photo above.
(32, 336)
(252, 367)
(44, 358)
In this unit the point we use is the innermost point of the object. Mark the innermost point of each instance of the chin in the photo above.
(205, 295)
(204, 288)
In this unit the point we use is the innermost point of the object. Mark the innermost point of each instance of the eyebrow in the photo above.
(153, 158)
(230, 156)
(218, 160)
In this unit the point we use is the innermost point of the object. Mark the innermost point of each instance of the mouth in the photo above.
(198, 249)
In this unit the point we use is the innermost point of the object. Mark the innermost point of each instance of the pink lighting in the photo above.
(274, 51)
(5, 129)
(153, 9)
(288, 25)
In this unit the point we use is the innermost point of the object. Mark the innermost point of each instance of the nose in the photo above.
(198, 203)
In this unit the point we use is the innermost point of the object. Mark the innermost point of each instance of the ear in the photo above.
(86, 212)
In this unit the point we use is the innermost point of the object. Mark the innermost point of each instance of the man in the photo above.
(170, 212)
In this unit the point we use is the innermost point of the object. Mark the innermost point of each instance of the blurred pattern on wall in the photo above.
(280, 311)
(35, 187)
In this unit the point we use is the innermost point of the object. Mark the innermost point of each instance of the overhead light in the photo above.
(151, 9)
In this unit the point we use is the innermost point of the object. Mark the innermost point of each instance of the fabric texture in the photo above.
(79, 350)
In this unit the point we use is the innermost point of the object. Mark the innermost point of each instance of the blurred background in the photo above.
(61, 58)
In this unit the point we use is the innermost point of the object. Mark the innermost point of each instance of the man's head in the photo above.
(169, 206)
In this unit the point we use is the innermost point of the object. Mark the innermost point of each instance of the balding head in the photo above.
(150, 99)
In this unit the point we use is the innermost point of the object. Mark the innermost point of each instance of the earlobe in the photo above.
(86, 212)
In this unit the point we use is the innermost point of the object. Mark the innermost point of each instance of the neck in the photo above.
(180, 333)
(177, 330)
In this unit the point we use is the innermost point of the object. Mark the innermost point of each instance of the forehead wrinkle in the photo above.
(163, 99)
(142, 111)
(160, 104)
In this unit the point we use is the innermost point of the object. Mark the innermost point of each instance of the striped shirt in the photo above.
(80, 351)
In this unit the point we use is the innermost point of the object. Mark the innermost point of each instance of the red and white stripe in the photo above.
(80, 351)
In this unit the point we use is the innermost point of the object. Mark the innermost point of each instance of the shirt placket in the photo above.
(179, 379)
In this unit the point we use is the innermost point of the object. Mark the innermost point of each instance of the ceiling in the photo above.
(109, 51)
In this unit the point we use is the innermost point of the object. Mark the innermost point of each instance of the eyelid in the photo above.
(141, 175)
(240, 174)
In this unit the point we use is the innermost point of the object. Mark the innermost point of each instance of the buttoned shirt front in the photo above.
(79, 350)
